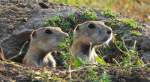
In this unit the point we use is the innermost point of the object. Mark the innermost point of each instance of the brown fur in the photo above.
(88, 36)
(2, 54)
(43, 42)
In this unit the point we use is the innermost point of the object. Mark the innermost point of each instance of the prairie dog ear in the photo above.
(34, 33)
(77, 27)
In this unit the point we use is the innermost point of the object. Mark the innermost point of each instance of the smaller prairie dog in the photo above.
(43, 42)
(88, 36)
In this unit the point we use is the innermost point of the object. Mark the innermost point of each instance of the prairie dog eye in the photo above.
(48, 31)
(108, 32)
(91, 26)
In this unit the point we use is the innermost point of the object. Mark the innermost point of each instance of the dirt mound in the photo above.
(11, 71)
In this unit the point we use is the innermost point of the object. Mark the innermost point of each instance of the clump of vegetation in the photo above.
(131, 56)
(135, 33)
(105, 77)
(54, 21)
(109, 13)
(71, 20)
(113, 23)
(93, 76)
(130, 26)
(131, 23)
(59, 21)
(134, 26)
(67, 57)
(89, 15)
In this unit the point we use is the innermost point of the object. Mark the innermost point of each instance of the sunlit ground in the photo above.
(138, 9)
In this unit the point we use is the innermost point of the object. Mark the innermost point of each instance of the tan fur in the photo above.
(88, 36)
(2, 57)
(43, 42)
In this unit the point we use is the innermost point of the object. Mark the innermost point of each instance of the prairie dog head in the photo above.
(95, 32)
(88, 36)
(47, 38)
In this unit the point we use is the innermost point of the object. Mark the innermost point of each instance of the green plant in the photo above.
(89, 15)
(67, 57)
(68, 22)
(135, 33)
(109, 13)
(113, 23)
(131, 56)
(105, 77)
(64, 50)
(92, 76)
(59, 21)
(53, 21)
(78, 62)
(133, 24)
(100, 60)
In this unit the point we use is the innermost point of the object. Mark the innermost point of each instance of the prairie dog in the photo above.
(88, 36)
(43, 42)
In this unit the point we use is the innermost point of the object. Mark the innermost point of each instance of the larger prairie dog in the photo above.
(43, 42)
(86, 37)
